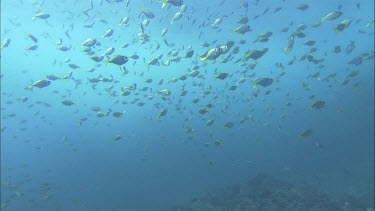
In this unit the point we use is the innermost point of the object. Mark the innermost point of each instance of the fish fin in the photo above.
(106, 62)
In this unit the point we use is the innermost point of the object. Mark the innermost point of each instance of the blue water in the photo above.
(53, 160)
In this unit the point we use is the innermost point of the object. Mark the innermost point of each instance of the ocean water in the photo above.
(114, 149)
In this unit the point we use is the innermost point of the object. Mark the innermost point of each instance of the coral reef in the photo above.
(264, 192)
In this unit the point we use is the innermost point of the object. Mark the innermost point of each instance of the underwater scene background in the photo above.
(187, 105)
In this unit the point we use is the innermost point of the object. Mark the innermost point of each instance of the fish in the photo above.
(356, 61)
(255, 54)
(209, 123)
(306, 133)
(118, 60)
(74, 66)
(164, 92)
(337, 49)
(39, 84)
(264, 82)
(203, 110)
(189, 53)
(124, 21)
(183, 8)
(290, 45)
(67, 102)
(32, 47)
(242, 29)
(310, 42)
(5, 43)
(243, 20)
(108, 33)
(349, 48)
(154, 61)
(116, 138)
(97, 58)
(212, 54)
(318, 105)
(222, 76)
(343, 25)
(52, 77)
(41, 15)
(177, 17)
(228, 124)
(163, 112)
(172, 2)
(64, 48)
(109, 51)
(163, 32)
(302, 7)
(216, 23)
(33, 38)
(277, 9)
(333, 15)
(148, 14)
(90, 42)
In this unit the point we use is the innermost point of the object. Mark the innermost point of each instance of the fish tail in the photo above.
(164, 3)
(29, 87)
(34, 18)
(286, 50)
(204, 59)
